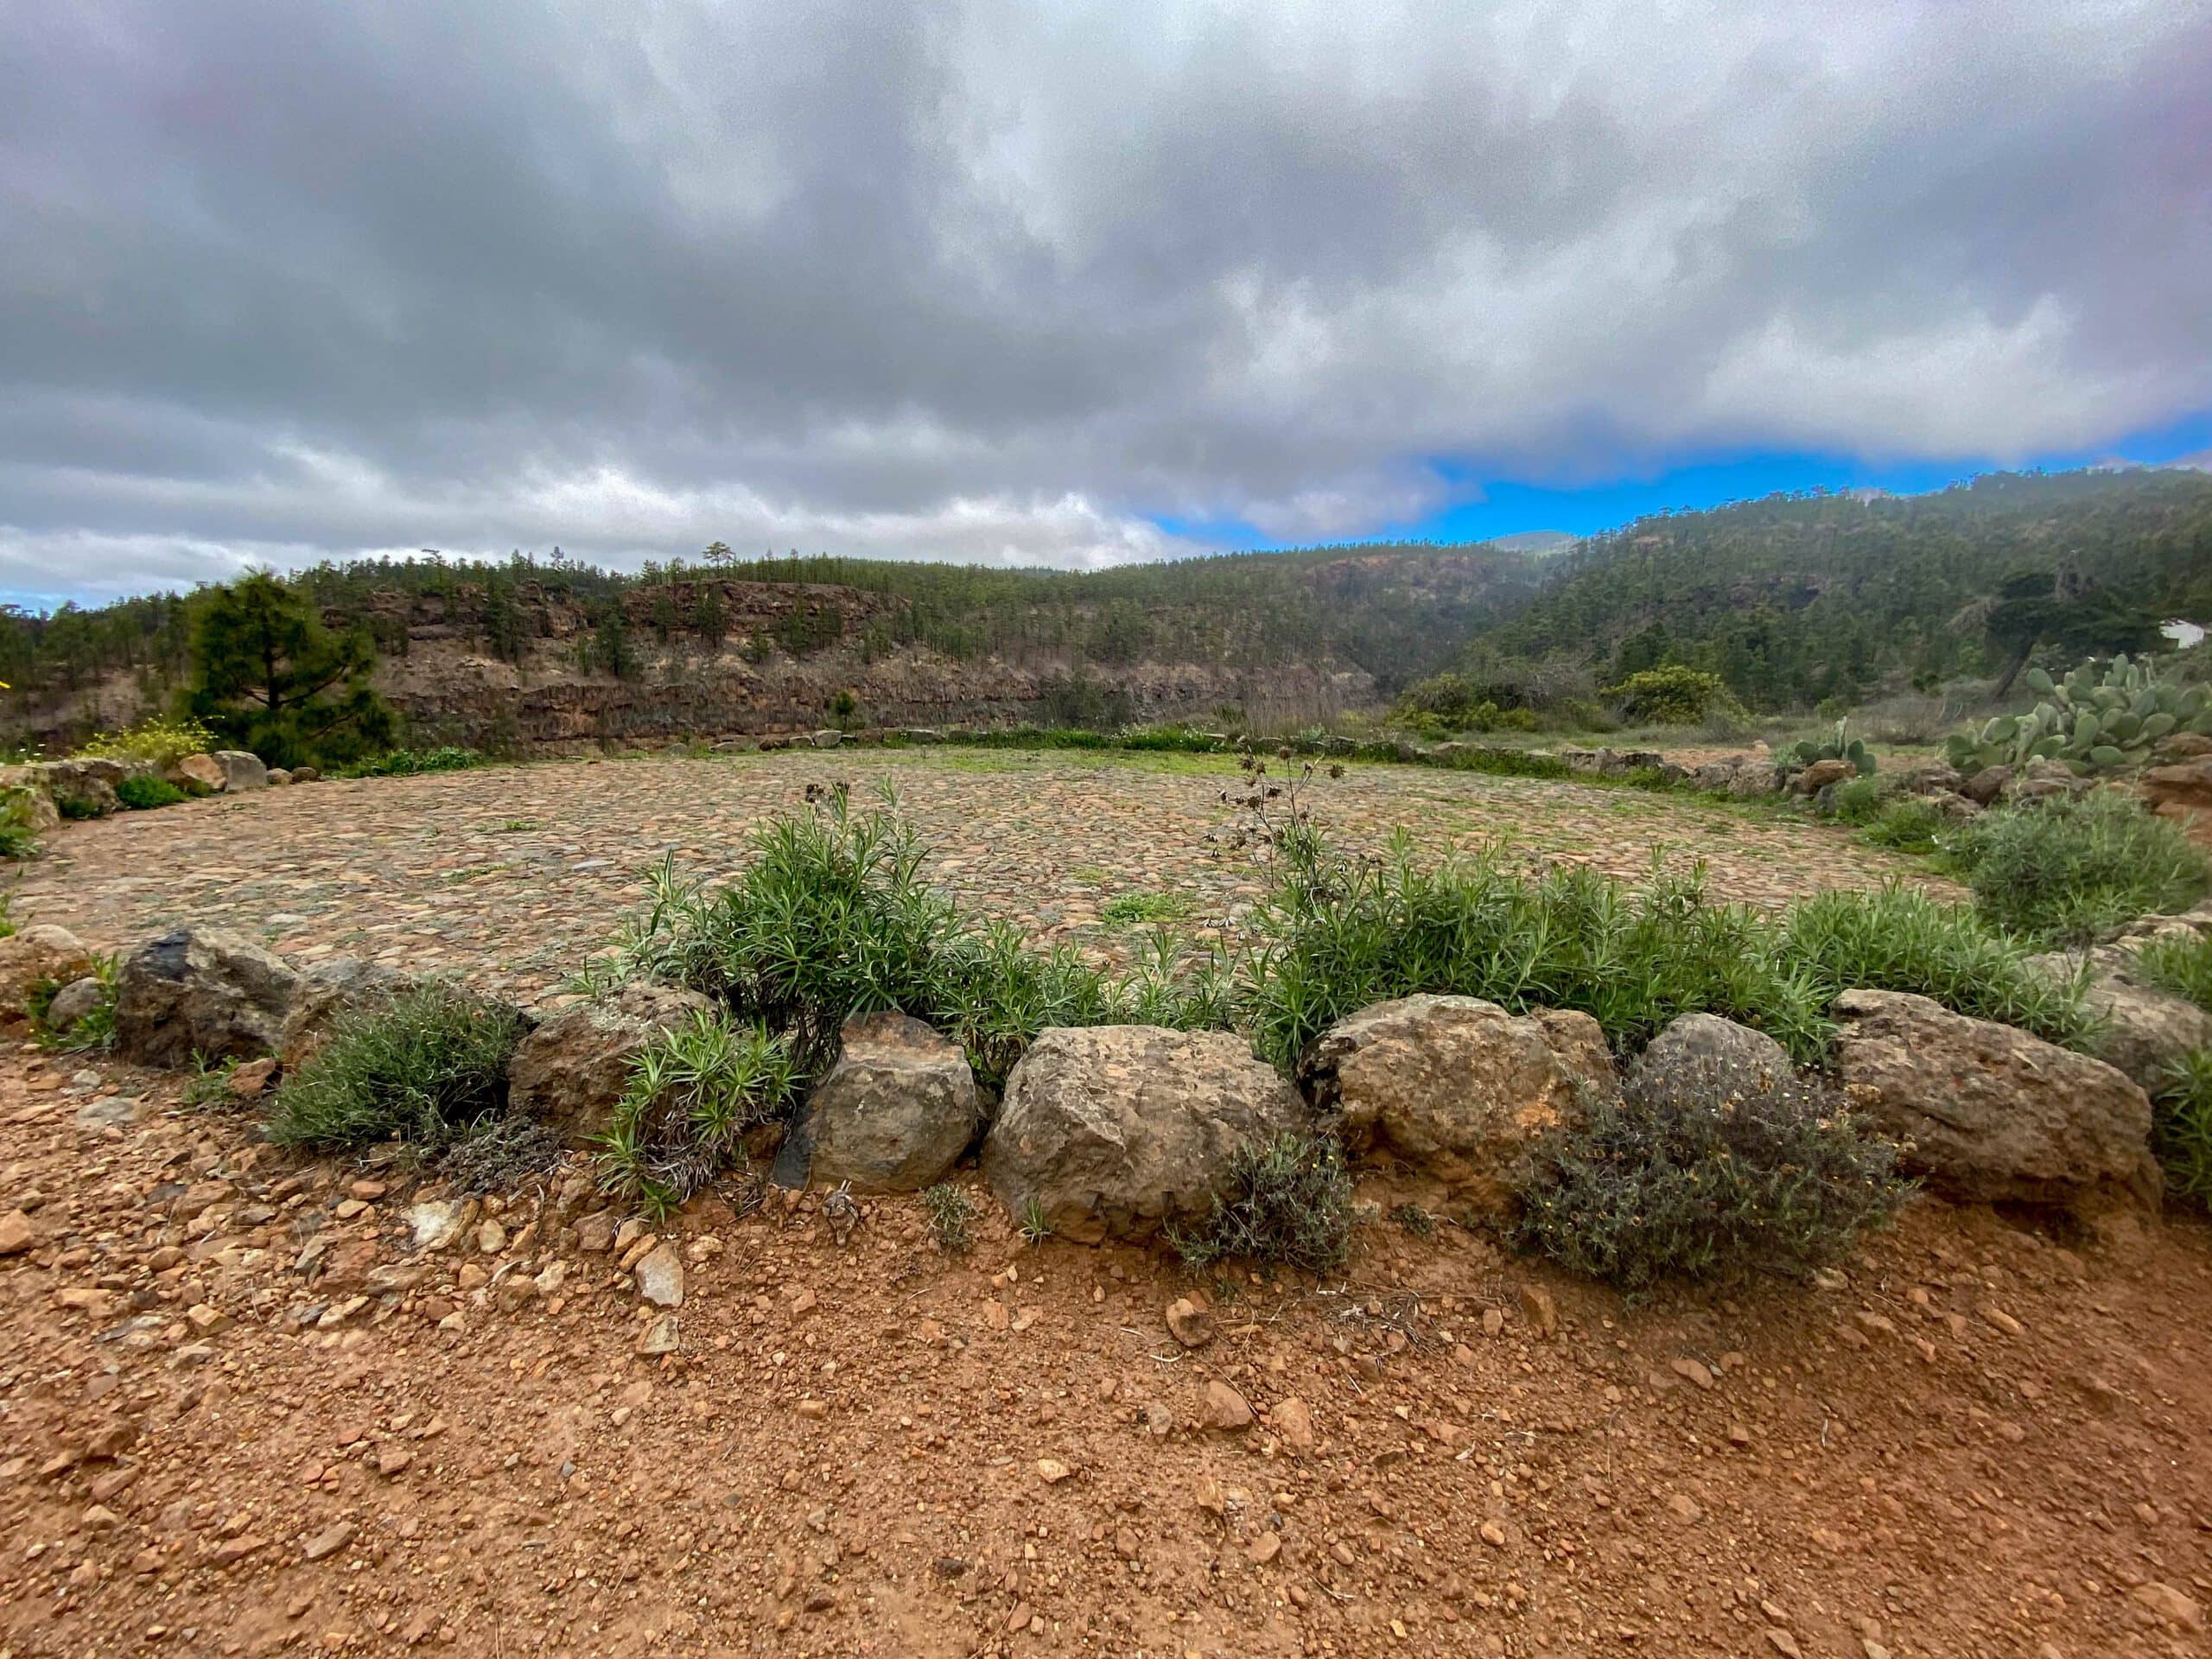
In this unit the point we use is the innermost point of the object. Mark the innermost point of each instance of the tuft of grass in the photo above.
(2179, 963)
(77, 809)
(1910, 826)
(694, 1090)
(952, 1214)
(2062, 871)
(7, 921)
(1899, 938)
(1287, 1200)
(1706, 1168)
(832, 918)
(141, 791)
(1035, 1229)
(409, 763)
(1414, 1219)
(1856, 800)
(208, 1087)
(425, 1067)
(2181, 1130)
(1145, 909)
(1338, 934)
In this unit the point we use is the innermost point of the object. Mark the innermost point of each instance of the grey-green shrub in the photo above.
(2061, 871)
(1708, 1168)
(1287, 1200)
(2180, 962)
(423, 1067)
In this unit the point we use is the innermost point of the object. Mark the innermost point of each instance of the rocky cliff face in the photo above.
(533, 674)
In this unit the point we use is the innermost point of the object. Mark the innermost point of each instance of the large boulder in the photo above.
(1754, 777)
(2178, 790)
(333, 987)
(895, 1111)
(1456, 1087)
(1700, 1040)
(1117, 1130)
(1991, 1114)
(1811, 779)
(2143, 1030)
(197, 774)
(34, 957)
(572, 1069)
(84, 787)
(201, 991)
(241, 770)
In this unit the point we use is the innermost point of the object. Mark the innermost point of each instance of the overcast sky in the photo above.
(1059, 284)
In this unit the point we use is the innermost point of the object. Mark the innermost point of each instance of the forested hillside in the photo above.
(1796, 597)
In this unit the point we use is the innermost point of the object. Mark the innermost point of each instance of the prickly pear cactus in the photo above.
(2092, 722)
(1839, 746)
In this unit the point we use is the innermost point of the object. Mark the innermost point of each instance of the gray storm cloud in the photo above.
(1011, 281)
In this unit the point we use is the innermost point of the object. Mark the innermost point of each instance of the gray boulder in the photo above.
(2144, 1030)
(73, 1002)
(1989, 1114)
(1456, 1087)
(1117, 1130)
(572, 1069)
(1986, 785)
(203, 991)
(1752, 778)
(241, 770)
(1694, 1039)
(895, 1111)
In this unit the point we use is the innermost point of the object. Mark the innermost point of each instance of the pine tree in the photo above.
(269, 677)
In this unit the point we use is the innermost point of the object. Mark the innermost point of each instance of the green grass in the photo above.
(143, 792)
(423, 1067)
(409, 763)
(2062, 872)
(91, 1032)
(1909, 825)
(2181, 1130)
(2181, 964)
(1145, 909)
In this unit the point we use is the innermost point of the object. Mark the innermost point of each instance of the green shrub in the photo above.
(1672, 696)
(160, 741)
(1706, 1168)
(1144, 909)
(1338, 934)
(2181, 963)
(77, 808)
(18, 821)
(950, 1212)
(2064, 870)
(409, 763)
(1907, 825)
(142, 790)
(2181, 1128)
(693, 1092)
(1856, 800)
(832, 918)
(7, 921)
(423, 1067)
(1900, 939)
(1286, 1200)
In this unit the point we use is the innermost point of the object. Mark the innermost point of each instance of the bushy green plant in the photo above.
(1670, 695)
(1706, 1168)
(1287, 1200)
(951, 1213)
(832, 918)
(1856, 800)
(1900, 939)
(409, 763)
(1144, 909)
(2063, 870)
(1906, 825)
(2180, 962)
(2181, 1130)
(694, 1090)
(423, 1067)
(2093, 722)
(160, 741)
(142, 790)
(1839, 744)
(77, 808)
(1338, 934)
(18, 821)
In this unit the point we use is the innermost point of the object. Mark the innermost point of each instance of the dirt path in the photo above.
(513, 875)
(240, 1414)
